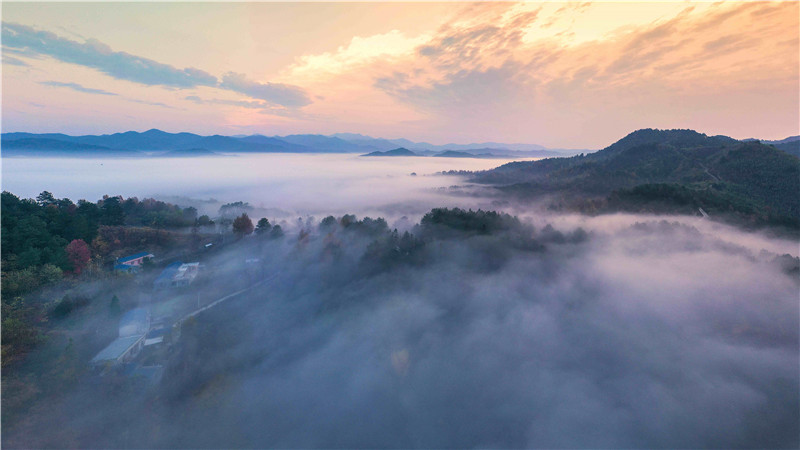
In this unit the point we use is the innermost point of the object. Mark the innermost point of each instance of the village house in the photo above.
(133, 327)
(176, 275)
(132, 263)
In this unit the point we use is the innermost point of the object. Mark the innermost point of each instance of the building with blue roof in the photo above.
(176, 275)
(133, 261)
(133, 327)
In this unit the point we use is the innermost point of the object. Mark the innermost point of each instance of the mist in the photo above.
(547, 331)
(282, 185)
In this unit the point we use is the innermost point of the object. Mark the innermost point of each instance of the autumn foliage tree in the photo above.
(78, 254)
(242, 225)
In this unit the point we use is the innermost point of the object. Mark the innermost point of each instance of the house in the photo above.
(125, 268)
(135, 260)
(132, 263)
(176, 275)
(133, 327)
(186, 274)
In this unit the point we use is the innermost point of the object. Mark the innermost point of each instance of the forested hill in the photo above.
(666, 171)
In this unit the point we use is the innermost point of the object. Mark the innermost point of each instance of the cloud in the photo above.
(125, 66)
(145, 102)
(76, 87)
(79, 88)
(239, 103)
(281, 94)
(100, 56)
(10, 60)
(261, 106)
(524, 72)
(492, 70)
(358, 52)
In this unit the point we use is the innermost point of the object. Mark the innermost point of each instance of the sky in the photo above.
(559, 74)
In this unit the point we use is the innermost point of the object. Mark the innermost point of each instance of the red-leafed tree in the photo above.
(242, 225)
(78, 254)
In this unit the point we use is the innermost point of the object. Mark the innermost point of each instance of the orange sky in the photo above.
(577, 75)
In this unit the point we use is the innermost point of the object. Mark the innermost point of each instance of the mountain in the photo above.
(367, 141)
(52, 147)
(396, 152)
(514, 150)
(455, 154)
(500, 153)
(148, 140)
(157, 140)
(790, 145)
(324, 144)
(675, 171)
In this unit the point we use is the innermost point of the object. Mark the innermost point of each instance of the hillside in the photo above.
(155, 140)
(456, 154)
(790, 145)
(151, 140)
(395, 152)
(666, 171)
(28, 146)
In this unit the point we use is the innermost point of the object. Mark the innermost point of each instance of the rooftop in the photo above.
(134, 323)
(132, 257)
(169, 272)
(188, 270)
(116, 349)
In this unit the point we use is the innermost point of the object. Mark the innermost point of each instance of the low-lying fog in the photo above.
(287, 185)
(562, 331)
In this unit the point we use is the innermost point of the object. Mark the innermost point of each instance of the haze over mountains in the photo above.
(132, 143)
(160, 143)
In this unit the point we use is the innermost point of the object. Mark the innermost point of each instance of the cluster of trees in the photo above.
(367, 226)
(456, 220)
(37, 232)
(243, 225)
(495, 236)
(153, 213)
(57, 233)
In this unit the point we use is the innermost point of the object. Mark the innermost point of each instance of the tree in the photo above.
(49, 274)
(263, 226)
(242, 225)
(204, 221)
(45, 198)
(327, 223)
(112, 212)
(277, 232)
(78, 254)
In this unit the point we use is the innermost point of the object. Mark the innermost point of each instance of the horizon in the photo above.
(335, 135)
(560, 75)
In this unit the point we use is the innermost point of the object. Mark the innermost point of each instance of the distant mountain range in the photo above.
(790, 145)
(666, 171)
(159, 143)
(477, 153)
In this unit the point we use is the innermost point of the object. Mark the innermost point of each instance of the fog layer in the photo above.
(552, 331)
(286, 185)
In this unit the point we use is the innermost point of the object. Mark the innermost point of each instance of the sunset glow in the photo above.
(557, 74)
